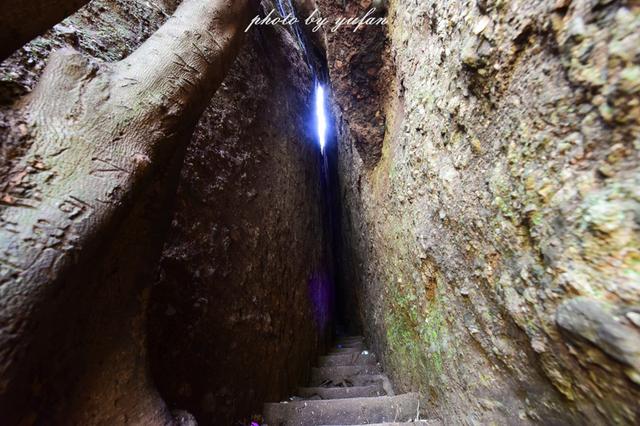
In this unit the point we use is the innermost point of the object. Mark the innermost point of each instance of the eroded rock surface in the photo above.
(494, 247)
(104, 29)
(248, 227)
(71, 369)
(243, 297)
(359, 72)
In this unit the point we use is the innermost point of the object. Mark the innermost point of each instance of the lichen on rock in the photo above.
(509, 171)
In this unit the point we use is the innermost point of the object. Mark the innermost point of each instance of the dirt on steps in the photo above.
(342, 350)
(338, 374)
(342, 392)
(417, 423)
(356, 358)
(348, 389)
(340, 411)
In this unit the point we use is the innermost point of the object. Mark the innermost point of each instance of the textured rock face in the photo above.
(359, 73)
(360, 78)
(243, 283)
(243, 295)
(495, 245)
(104, 29)
(87, 347)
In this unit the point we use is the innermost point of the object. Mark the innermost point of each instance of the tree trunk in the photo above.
(23, 20)
(101, 135)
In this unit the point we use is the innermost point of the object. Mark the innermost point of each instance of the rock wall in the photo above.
(104, 29)
(359, 78)
(243, 282)
(243, 296)
(87, 348)
(494, 247)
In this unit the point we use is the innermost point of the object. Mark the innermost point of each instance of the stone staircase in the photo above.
(347, 388)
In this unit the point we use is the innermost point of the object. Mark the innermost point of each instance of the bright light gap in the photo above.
(321, 116)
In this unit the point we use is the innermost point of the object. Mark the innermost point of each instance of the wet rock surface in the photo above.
(494, 247)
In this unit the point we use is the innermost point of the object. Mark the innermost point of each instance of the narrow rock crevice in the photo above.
(428, 220)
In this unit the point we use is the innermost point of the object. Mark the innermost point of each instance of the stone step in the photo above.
(353, 358)
(360, 380)
(376, 389)
(399, 408)
(414, 423)
(350, 339)
(340, 373)
(338, 351)
(359, 345)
